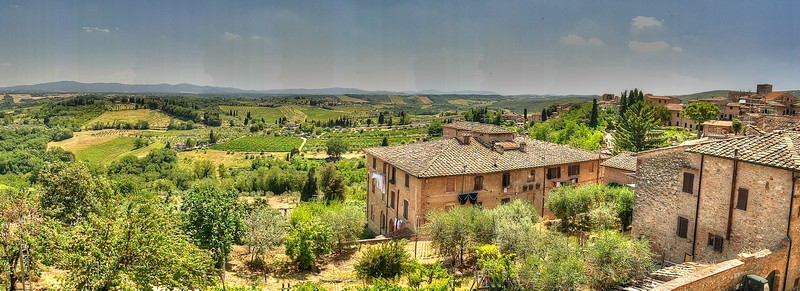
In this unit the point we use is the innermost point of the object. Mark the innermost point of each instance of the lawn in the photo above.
(260, 144)
(156, 119)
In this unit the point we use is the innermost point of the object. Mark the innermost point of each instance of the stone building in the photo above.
(620, 169)
(474, 164)
(661, 100)
(712, 201)
(718, 128)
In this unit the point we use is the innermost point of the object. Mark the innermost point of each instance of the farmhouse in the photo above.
(474, 164)
(709, 202)
(620, 169)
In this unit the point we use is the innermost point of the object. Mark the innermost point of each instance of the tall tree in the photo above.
(211, 138)
(310, 187)
(634, 131)
(136, 243)
(335, 189)
(20, 225)
(544, 114)
(266, 229)
(71, 192)
(593, 116)
(336, 147)
(623, 103)
(525, 114)
(213, 220)
(385, 142)
(700, 112)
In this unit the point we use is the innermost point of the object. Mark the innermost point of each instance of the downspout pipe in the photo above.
(697, 205)
(788, 230)
(733, 193)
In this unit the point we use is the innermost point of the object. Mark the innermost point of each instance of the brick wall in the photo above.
(619, 176)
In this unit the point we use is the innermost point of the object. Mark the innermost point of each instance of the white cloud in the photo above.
(573, 40)
(641, 22)
(677, 49)
(231, 36)
(257, 37)
(95, 29)
(6, 65)
(596, 42)
(647, 47)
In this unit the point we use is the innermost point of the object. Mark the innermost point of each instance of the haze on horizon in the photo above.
(509, 47)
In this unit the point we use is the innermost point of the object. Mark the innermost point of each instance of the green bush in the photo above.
(614, 259)
(387, 260)
(307, 241)
(308, 286)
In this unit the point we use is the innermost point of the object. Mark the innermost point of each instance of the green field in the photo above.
(292, 112)
(260, 144)
(270, 114)
(105, 153)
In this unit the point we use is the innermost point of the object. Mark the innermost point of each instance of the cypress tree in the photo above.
(594, 115)
(310, 187)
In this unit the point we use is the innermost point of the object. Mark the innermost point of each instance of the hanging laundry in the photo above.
(462, 198)
(380, 181)
(473, 197)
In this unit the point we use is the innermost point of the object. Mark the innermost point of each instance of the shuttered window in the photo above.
(574, 170)
(392, 202)
(716, 242)
(405, 209)
(553, 173)
(451, 184)
(505, 200)
(506, 180)
(741, 201)
(688, 182)
(478, 183)
(683, 227)
(407, 179)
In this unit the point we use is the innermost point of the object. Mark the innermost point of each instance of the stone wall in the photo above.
(659, 200)
(726, 275)
(762, 225)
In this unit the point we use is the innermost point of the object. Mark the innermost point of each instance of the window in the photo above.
(683, 227)
(532, 176)
(394, 172)
(371, 213)
(374, 163)
(574, 170)
(591, 168)
(505, 200)
(478, 183)
(451, 184)
(407, 178)
(405, 209)
(373, 185)
(524, 188)
(688, 183)
(716, 242)
(506, 180)
(553, 173)
(741, 202)
(392, 202)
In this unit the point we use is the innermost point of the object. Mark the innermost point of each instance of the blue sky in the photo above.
(510, 47)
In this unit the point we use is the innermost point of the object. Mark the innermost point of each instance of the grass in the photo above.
(351, 99)
(230, 160)
(321, 114)
(260, 144)
(397, 100)
(156, 119)
(106, 152)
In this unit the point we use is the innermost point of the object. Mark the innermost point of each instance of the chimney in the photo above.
(498, 148)
(467, 139)
(523, 147)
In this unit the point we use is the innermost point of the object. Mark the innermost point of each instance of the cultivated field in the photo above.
(229, 159)
(260, 144)
(156, 119)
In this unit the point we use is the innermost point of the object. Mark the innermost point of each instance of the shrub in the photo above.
(307, 241)
(387, 260)
(510, 220)
(603, 217)
(308, 286)
(614, 259)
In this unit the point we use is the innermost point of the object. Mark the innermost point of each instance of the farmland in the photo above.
(106, 152)
(260, 144)
(156, 119)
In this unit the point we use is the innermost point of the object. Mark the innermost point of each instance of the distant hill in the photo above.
(77, 87)
(703, 95)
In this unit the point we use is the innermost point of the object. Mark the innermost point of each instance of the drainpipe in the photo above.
(697, 205)
(788, 228)
(733, 193)
(544, 185)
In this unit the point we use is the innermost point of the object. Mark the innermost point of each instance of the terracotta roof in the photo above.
(718, 123)
(477, 127)
(624, 161)
(659, 97)
(733, 104)
(776, 95)
(674, 107)
(780, 149)
(448, 157)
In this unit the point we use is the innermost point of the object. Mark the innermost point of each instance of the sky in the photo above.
(509, 47)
